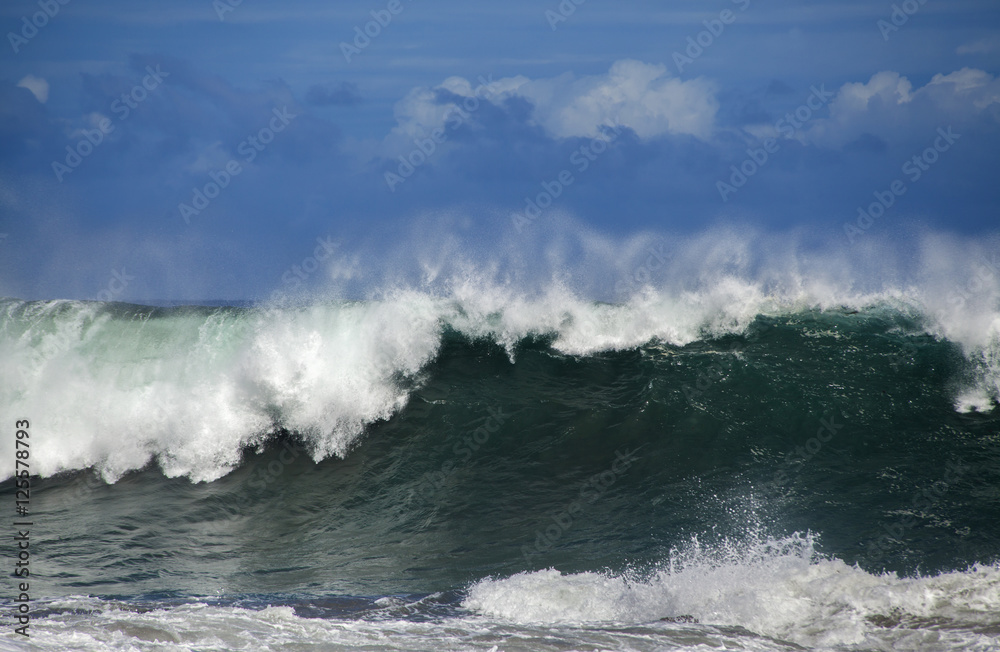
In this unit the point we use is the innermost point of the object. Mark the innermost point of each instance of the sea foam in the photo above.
(780, 588)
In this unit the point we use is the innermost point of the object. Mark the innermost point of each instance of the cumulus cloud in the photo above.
(889, 106)
(637, 95)
(887, 87)
(424, 109)
(640, 96)
(38, 87)
(964, 87)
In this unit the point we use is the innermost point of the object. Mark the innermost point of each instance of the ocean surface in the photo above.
(724, 467)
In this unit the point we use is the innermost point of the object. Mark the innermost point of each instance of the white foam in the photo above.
(776, 588)
(101, 626)
(192, 391)
(87, 624)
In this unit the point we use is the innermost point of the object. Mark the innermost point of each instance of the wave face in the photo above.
(722, 460)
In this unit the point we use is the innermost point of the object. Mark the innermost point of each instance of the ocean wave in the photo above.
(116, 387)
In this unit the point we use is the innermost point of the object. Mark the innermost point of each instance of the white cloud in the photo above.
(637, 95)
(422, 111)
(889, 107)
(982, 46)
(887, 86)
(646, 99)
(965, 86)
(38, 87)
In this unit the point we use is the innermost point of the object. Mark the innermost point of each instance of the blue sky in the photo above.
(648, 111)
